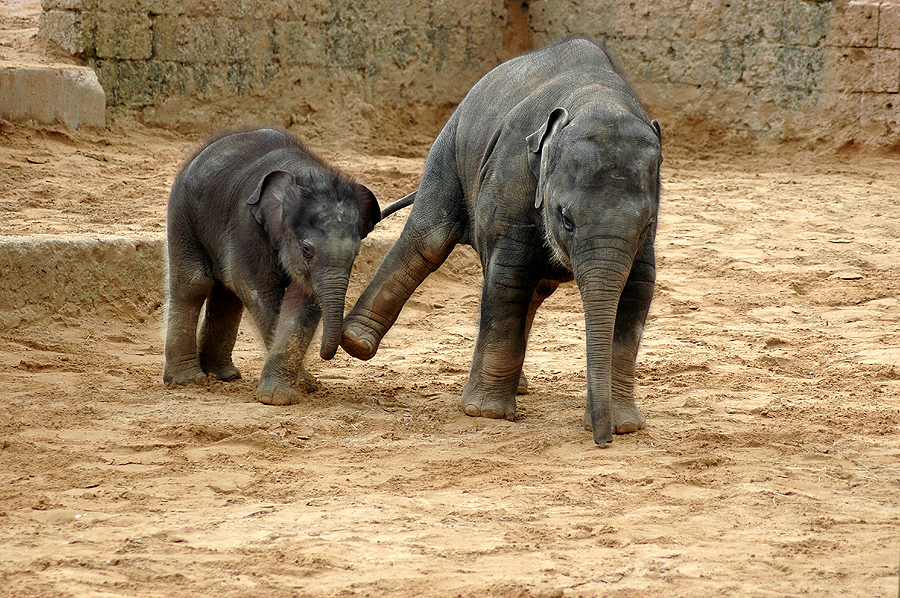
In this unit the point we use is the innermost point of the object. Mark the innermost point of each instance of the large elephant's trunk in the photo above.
(331, 289)
(601, 271)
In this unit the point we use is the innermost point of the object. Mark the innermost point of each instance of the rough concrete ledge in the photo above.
(123, 278)
(113, 278)
(49, 95)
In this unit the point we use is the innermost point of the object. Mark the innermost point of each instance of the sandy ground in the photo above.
(769, 376)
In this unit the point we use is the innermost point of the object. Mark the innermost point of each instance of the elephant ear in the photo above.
(369, 210)
(267, 203)
(536, 142)
(655, 124)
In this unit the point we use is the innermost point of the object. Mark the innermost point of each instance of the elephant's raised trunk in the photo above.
(601, 271)
(331, 289)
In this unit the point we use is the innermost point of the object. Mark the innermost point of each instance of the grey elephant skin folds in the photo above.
(256, 221)
(549, 168)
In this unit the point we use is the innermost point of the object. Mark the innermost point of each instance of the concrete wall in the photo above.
(814, 72)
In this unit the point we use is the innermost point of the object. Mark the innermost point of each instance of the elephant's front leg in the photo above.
(284, 379)
(634, 305)
(500, 350)
(430, 234)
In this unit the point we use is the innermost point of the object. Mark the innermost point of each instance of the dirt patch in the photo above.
(769, 376)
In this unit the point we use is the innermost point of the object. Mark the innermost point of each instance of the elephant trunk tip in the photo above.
(601, 428)
(331, 291)
(328, 350)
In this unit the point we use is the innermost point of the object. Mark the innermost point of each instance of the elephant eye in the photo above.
(307, 250)
(567, 221)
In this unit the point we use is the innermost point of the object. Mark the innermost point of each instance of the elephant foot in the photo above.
(523, 385)
(358, 339)
(274, 390)
(625, 420)
(225, 373)
(193, 377)
(488, 407)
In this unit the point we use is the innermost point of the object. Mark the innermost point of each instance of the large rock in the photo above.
(69, 95)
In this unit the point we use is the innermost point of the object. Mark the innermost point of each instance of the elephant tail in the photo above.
(398, 205)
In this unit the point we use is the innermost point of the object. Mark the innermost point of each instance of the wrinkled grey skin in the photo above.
(256, 221)
(549, 168)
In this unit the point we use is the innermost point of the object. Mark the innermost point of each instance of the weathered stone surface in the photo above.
(712, 20)
(311, 12)
(370, 51)
(794, 23)
(889, 25)
(150, 7)
(784, 70)
(68, 95)
(879, 114)
(784, 67)
(72, 31)
(781, 62)
(66, 4)
(211, 40)
(867, 70)
(117, 277)
(855, 25)
(145, 83)
(125, 35)
(294, 45)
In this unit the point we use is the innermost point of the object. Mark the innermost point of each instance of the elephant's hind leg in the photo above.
(185, 300)
(544, 290)
(509, 300)
(218, 333)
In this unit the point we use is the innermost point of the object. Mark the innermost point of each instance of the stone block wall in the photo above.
(281, 60)
(816, 72)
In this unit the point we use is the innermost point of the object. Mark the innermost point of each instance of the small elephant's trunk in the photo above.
(331, 289)
(600, 281)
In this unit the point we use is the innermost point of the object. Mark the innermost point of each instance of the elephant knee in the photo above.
(641, 282)
(643, 270)
(433, 248)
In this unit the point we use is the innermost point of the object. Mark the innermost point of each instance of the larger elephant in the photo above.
(549, 168)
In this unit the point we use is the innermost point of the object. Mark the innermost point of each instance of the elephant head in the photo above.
(315, 221)
(598, 187)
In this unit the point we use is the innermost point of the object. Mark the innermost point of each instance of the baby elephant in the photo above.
(256, 220)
